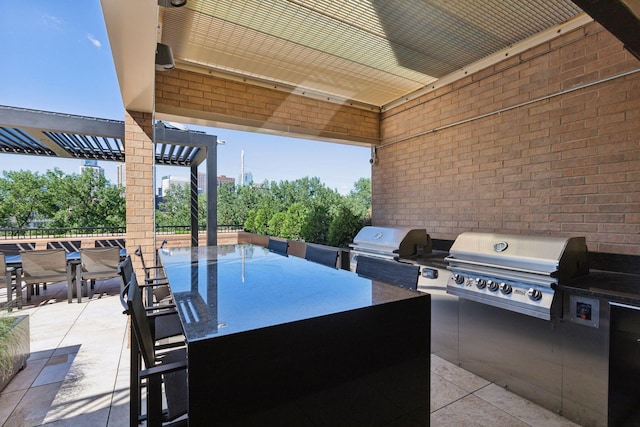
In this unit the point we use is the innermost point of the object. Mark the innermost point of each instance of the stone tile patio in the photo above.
(78, 372)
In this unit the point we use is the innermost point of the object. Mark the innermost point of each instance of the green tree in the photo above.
(359, 199)
(23, 196)
(86, 200)
(258, 221)
(305, 209)
(175, 209)
(235, 202)
(274, 224)
(293, 221)
(344, 226)
(315, 227)
(71, 200)
(228, 206)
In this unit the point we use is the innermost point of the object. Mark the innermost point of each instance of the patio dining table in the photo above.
(73, 259)
(279, 340)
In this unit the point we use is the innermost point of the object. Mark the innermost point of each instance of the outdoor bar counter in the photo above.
(279, 340)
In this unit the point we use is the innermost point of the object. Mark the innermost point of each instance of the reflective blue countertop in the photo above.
(222, 290)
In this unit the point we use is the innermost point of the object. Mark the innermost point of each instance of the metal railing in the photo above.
(185, 229)
(31, 233)
(35, 233)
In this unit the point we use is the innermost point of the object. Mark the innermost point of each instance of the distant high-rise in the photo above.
(246, 177)
(202, 182)
(92, 165)
(168, 181)
(121, 175)
(223, 179)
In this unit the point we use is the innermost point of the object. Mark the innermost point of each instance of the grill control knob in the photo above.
(505, 289)
(534, 294)
(458, 278)
(480, 283)
(493, 286)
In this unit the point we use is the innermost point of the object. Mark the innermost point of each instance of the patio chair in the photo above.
(16, 248)
(44, 266)
(163, 318)
(67, 245)
(95, 263)
(155, 275)
(107, 243)
(165, 367)
(392, 272)
(278, 246)
(6, 280)
(125, 270)
(324, 256)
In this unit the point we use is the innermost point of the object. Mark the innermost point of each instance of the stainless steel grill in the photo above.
(514, 272)
(392, 243)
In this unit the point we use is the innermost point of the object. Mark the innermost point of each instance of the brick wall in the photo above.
(140, 201)
(517, 148)
(223, 102)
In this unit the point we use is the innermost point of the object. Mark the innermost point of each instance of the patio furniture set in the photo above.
(23, 267)
(301, 299)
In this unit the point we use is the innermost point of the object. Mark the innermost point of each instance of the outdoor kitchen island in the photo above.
(277, 340)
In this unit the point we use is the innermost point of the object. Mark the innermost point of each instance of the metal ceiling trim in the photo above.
(205, 118)
(278, 86)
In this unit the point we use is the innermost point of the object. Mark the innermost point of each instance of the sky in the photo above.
(56, 57)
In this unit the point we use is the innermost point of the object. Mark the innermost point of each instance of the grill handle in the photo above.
(454, 261)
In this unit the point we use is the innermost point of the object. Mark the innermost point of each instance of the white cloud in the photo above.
(94, 41)
(53, 21)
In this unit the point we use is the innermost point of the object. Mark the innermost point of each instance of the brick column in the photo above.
(140, 192)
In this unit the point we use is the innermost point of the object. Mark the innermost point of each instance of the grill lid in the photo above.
(514, 272)
(397, 241)
(559, 257)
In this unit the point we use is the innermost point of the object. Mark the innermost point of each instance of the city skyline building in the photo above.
(224, 179)
(169, 180)
(246, 177)
(121, 175)
(92, 165)
(202, 182)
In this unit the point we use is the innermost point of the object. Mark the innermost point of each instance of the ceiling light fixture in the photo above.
(164, 57)
(172, 3)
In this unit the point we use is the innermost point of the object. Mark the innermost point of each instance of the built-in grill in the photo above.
(393, 243)
(514, 272)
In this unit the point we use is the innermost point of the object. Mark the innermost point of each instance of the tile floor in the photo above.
(77, 374)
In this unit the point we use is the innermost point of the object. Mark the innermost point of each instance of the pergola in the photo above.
(56, 135)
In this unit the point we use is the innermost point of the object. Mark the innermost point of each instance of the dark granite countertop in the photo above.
(230, 289)
(616, 287)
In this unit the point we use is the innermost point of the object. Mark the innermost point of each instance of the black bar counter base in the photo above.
(343, 350)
